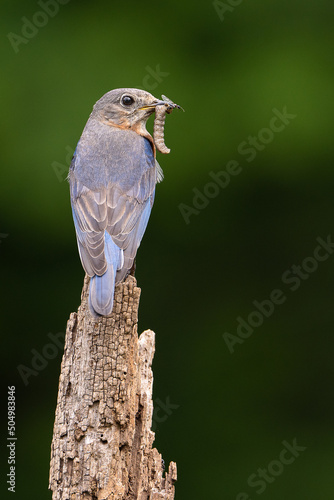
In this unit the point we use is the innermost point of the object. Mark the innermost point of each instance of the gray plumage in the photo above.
(112, 185)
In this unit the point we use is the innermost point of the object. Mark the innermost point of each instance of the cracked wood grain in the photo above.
(102, 439)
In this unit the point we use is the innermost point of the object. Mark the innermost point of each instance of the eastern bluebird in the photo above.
(112, 177)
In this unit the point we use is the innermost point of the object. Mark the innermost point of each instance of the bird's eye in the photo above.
(127, 100)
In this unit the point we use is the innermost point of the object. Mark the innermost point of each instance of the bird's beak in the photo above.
(153, 105)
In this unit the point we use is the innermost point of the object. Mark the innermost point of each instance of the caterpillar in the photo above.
(159, 123)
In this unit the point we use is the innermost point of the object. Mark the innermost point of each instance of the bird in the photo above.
(112, 177)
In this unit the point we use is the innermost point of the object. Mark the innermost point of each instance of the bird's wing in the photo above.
(90, 220)
(120, 209)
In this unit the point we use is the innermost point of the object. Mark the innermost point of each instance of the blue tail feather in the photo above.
(101, 290)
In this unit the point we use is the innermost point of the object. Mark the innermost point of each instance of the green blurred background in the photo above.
(229, 67)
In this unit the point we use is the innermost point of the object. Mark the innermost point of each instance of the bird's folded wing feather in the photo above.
(122, 213)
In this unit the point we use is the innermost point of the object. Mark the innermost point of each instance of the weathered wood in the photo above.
(102, 440)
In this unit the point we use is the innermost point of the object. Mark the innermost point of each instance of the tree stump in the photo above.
(102, 438)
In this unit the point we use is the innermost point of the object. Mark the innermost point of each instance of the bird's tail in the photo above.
(101, 290)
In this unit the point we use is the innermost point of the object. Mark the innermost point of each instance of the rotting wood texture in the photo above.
(102, 439)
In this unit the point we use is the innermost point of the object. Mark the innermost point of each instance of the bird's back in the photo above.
(112, 181)
(110, 155)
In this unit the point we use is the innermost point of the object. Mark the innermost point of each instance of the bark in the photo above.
(102, 439)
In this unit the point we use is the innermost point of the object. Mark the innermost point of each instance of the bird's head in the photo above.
(126, 108)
